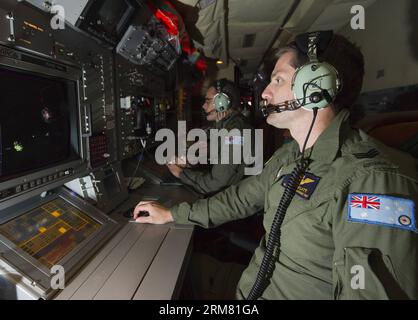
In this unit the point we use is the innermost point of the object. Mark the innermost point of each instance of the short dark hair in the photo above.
(229, 88)
(344, 55)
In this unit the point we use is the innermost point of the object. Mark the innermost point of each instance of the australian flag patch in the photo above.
(383, 210)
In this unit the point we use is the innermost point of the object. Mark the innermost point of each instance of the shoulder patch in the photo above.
(383, 210)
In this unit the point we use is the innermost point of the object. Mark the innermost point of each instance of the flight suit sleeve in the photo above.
(236, 202)
(220, 176)
(375, 238)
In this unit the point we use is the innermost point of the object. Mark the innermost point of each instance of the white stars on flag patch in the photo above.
(383, 210)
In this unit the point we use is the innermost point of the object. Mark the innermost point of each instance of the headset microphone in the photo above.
(289, 105)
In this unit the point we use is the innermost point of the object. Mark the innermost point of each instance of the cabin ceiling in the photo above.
(242, 31)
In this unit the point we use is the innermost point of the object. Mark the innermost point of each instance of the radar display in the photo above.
(51, 231)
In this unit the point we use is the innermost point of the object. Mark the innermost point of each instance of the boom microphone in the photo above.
(289, 105)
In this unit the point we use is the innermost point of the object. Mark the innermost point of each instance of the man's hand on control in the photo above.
(158, 214)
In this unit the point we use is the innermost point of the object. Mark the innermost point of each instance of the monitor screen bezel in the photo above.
(86, 21)
(39, 66)
(74, 142)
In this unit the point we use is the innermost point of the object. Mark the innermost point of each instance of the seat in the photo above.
(398, 130)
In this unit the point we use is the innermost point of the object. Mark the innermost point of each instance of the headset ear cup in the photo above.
(221, 101)
(315, 85)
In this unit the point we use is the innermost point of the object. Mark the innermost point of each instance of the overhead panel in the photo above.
(313, 15)
(263, 32)
(322, 14)
(248, 40)
(257, 11)
(337, 15)
(262, 22)
(247, 53)
(305, 15)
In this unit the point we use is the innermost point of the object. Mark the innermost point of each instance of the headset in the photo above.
(315, 84)
(221, 100)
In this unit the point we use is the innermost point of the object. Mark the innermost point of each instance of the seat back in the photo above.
(398, 130)
(395, 135)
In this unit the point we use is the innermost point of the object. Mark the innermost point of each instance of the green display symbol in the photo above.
(18, 146)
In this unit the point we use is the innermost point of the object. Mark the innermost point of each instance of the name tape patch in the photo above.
(306, 187)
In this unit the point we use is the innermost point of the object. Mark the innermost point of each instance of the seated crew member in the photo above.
(349, 231)
(226, 117)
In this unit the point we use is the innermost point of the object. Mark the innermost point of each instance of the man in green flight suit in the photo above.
(220, 175)
(350, 230)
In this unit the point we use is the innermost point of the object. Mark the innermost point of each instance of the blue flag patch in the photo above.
(382, 210)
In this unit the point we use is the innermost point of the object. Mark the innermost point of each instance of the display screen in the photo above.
(107, 19)
(50, 232)
(38, 123)
(111, 13)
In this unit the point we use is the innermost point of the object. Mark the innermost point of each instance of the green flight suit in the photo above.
(320, 248)
(220, 175)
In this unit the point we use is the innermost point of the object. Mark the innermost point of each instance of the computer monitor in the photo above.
(41, 138)
(35, 122)
(107, 19)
